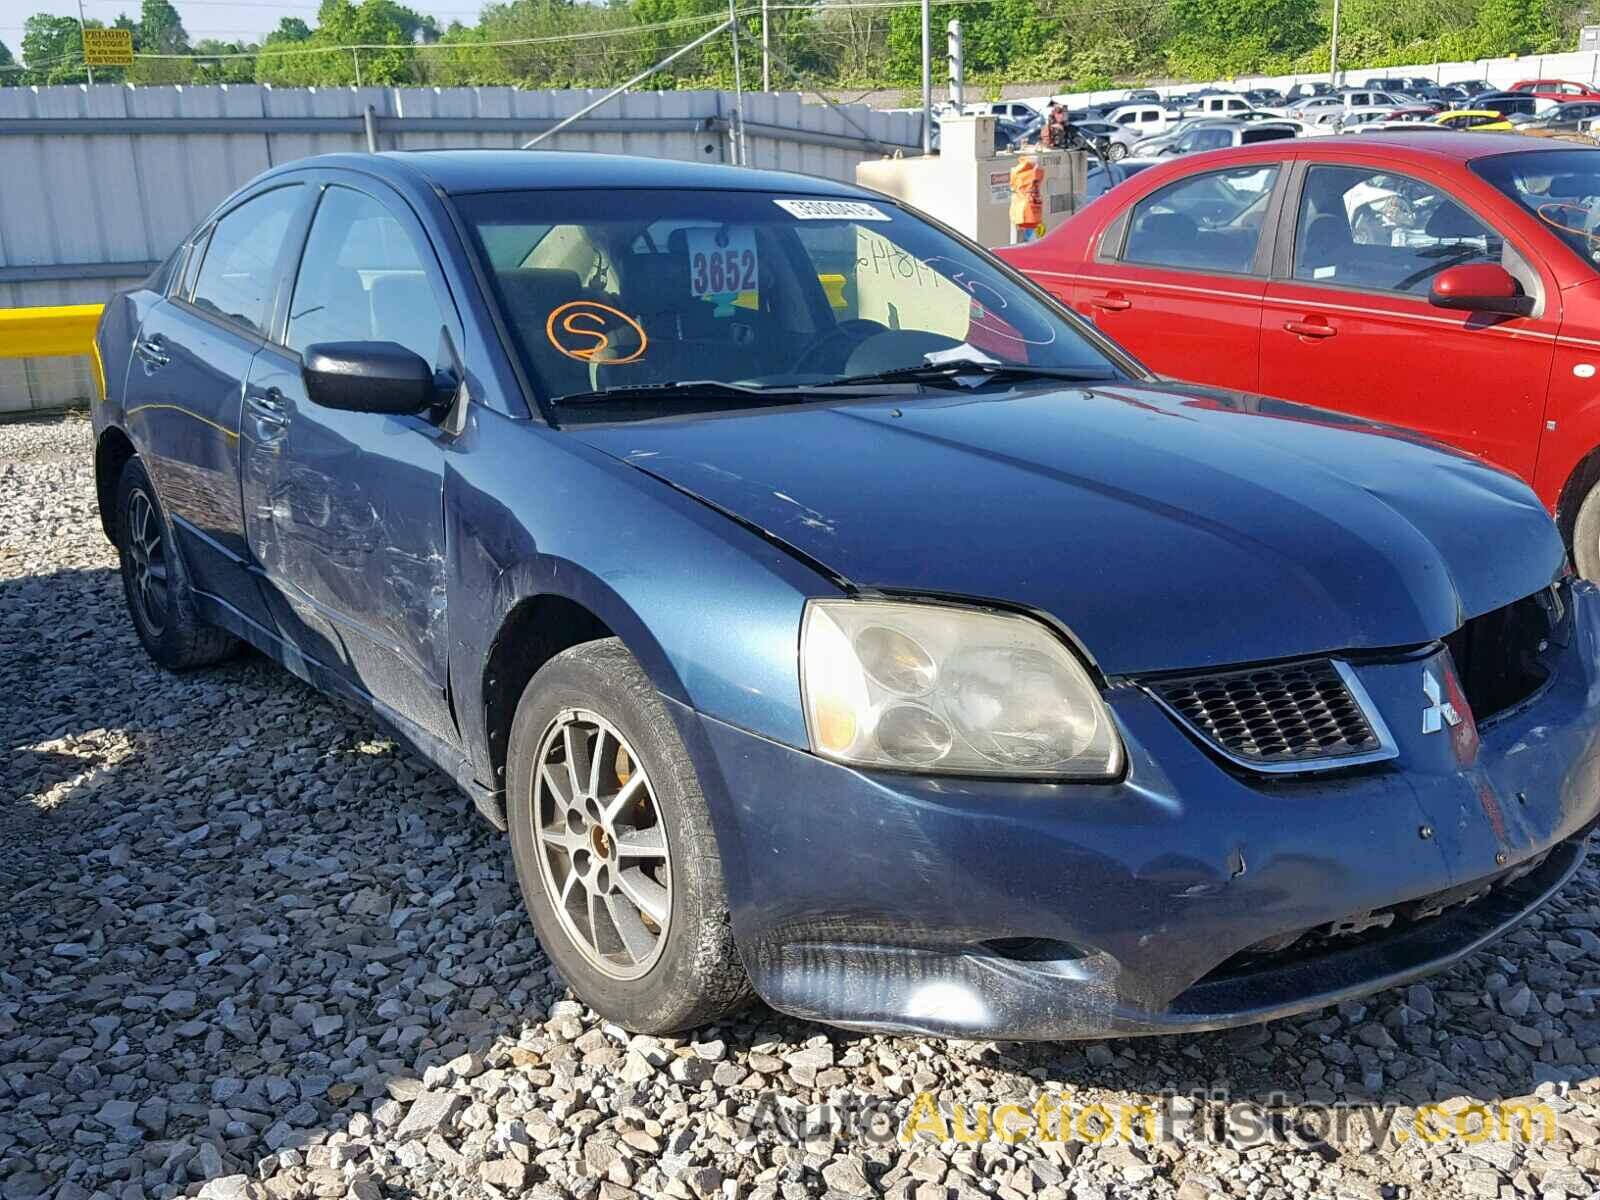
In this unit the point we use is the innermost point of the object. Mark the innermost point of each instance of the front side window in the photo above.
(1559, 187)
(607, 292)
(362, 280)
(240, 264)
(1207, 222)
(1365, 228)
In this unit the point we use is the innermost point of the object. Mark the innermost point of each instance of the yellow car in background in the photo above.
(1479, 120)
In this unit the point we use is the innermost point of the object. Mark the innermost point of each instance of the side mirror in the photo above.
(375, 377)
(1480, 287)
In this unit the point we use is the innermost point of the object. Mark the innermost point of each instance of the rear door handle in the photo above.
(1309, 329)
(1112, 302)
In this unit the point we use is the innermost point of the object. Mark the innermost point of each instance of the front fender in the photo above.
(711, 610)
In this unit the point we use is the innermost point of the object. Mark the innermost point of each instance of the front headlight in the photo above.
(931, 687)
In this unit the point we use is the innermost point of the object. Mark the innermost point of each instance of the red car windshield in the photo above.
(1560, 187)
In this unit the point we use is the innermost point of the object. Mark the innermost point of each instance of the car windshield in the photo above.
(1560, 187)
(660, 297)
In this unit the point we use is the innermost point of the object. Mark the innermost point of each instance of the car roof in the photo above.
(473, 170)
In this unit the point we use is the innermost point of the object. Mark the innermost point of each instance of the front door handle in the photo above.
(1309, 329)
(152, 351)
(1112, 302)
(269, 406)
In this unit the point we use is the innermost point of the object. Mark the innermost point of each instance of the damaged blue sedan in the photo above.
(827, 616)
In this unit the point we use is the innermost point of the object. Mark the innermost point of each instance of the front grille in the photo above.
(1287, 716)
(1501, 657)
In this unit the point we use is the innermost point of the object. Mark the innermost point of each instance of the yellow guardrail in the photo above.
(48, 332)
(63, 331)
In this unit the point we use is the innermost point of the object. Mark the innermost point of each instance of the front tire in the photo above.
(1117, 152)
(613, 846)
(156, 584)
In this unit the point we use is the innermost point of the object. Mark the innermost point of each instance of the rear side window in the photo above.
(241, 259)
(1208, 222)
(362, 279)
(1264, 135)
(1363, 228)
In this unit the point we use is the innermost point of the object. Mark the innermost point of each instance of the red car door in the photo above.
(1347, 323)
(1177, 275)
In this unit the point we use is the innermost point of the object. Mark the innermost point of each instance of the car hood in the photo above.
(1165, 527)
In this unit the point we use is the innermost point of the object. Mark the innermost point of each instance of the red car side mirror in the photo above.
(1480, 287)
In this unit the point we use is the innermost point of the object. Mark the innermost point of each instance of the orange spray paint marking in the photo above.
(577, 329)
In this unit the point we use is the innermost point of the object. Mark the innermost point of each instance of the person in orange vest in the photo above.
(1027, 206)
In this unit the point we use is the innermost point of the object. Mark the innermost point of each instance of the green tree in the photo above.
(993, 36)
(159, 31)
(315, 59)
(52, 49)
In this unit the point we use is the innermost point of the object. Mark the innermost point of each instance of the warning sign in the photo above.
(108, 47)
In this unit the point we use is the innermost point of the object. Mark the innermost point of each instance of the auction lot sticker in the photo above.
(833, 210)
(722, 261)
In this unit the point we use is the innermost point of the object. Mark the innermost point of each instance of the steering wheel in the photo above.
(856, 329)
(1568, 218)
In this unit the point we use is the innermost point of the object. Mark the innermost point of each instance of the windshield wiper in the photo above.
(644, 393)
(956, 369)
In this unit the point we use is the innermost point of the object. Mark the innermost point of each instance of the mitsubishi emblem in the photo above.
(1440, 712)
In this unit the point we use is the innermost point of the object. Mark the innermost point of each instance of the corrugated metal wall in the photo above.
(100, 183)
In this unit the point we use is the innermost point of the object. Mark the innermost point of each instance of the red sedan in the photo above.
(1449, 283)
(1555, 89)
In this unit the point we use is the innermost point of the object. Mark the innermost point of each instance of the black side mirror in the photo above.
(375, 377)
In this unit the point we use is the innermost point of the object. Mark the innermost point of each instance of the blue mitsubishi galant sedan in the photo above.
(827, 615)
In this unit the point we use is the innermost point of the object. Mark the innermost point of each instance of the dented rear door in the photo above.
(344, 511)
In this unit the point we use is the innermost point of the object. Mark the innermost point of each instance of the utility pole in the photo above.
(766, 50)
(356, 54)
(1333, 50)
(927, 81)
(81, 38)
(958, 88)
(739, 148)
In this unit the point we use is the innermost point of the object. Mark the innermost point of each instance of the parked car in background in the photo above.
(1572, 116)
(1217, 104)
(1102, 176)
(1142, 96)
(1511, 104)
(1555, 89)
(1111, 141)
(1472, 87)
(1019, 111)
(1264, 97)
(1304, 91)
(1142, 120)
(1221, 132)
(1447, 283)
(1481, 120)
(591, 477)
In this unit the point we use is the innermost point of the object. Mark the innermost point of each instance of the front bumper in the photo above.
(1016, 910)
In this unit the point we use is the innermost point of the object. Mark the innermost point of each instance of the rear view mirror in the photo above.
(1480, 287)
(376, 377)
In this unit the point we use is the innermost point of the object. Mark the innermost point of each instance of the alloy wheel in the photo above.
(147, 550)
(602, 846)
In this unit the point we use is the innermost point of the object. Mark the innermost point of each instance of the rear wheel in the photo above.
(1117, 152)
(156, 585)
(613, 846)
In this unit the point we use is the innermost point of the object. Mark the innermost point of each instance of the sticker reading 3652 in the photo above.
(832, 210)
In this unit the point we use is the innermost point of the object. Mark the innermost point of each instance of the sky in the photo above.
(228, 20)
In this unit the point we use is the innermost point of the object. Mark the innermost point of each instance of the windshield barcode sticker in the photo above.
(832, 210)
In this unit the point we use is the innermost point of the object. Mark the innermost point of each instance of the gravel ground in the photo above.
(249, 946)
